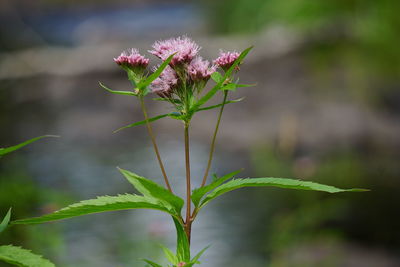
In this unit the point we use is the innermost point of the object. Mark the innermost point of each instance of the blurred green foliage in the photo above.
(19, 191)
(300, 220)
(355, 40)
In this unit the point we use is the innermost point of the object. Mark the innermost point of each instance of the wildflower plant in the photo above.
(180, 79)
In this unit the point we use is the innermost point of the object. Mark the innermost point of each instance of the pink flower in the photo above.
(184, 48)
(226, 59)
(165, 83)
(200, 69)
(181, 264)
(131, 58)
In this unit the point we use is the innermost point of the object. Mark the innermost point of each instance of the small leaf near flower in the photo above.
(217, 77)
(117, 92)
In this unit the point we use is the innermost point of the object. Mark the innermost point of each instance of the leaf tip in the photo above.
(118, 130)
(360, 190)
(121, 170)
(52, 135)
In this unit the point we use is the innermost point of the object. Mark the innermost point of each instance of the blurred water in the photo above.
(102, 23)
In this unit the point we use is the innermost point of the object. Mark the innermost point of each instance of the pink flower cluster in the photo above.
(226, 59)
(184, 48)
(192, 69)
(165, 83)
(132, 58)
(200, 69)
(185, 58)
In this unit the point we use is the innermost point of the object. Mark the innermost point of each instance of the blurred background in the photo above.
(326, 108)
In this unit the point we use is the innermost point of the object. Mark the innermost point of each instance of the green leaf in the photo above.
(143, 122)
(276, 182)
(151, 189)
(117, 92)
(207, 96)
(170, 255)
(97, 205)
(173, 115)
(216, 106)
(152, 263)
(176, 116)
(234, 86)
(22, 257)
(132, 76)
(6, 220)
(229, 87)
(183, 247)
(245, 85)
(217, 77)
(228, 73)
(198, 193)
(198, 255)
(154, 75)
(7, 150)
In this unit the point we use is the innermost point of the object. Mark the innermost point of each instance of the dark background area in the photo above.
(326, 108)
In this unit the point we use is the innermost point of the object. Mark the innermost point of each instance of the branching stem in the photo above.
(212, 147)
(153, 140)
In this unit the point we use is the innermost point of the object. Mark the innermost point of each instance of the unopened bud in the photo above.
(133, 60)
(226, 59)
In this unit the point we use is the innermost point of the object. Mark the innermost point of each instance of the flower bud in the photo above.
(132, 60)
(226, 59)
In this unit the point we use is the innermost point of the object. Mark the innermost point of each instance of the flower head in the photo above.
(184, 48)
(132, 59)
(181, 264)
(200, 70)
(226, 59)
(165, 83)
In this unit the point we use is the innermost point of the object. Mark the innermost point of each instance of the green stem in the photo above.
(212, 147)
(153, 140)
(188, 223)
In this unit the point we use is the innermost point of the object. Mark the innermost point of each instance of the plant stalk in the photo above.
(188, 223)
(153, 140)
(212, 147)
